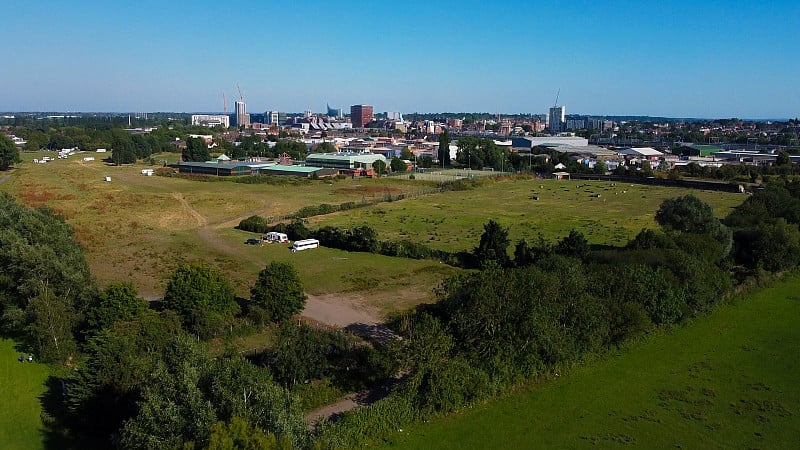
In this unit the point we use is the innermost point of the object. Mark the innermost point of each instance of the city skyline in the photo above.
(687, 59)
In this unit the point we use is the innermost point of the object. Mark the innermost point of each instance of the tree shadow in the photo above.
(58, 429)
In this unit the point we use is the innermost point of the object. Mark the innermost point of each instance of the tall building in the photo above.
(557, 119)
(393, 115)
(334, 112)
(242, 118)
(272, 117)
(361, 115)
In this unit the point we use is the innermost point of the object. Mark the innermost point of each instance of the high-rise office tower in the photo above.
(242, 118)
(360, 115)
(557, 118)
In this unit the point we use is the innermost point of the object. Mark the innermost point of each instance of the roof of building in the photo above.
(331, 157)
(296, 169)
(210, 164)
(641, 151)
(714, 148)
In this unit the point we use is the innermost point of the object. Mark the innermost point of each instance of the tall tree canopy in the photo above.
(45, 285)
(202, 297)
(9, 153)
(444, 148)
(277, 294)
(493, 245)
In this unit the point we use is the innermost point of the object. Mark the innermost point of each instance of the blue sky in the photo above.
(680, 58)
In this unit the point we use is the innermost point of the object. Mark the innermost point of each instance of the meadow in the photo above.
(21, 385)
(726, 380)
(606, 213)
(138, 228)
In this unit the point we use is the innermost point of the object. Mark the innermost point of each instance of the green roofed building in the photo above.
(212, 168)
(344, 160)
(697, 150)
(297, 171)
(245, 168)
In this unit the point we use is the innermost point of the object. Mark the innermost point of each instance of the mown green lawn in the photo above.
(727, 380)
(21, 385)
(454, 220)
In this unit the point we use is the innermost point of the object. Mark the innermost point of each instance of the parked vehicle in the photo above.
(274, 237)
(253, 241)
(305, 244)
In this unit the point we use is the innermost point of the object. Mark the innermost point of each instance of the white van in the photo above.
(305, 244)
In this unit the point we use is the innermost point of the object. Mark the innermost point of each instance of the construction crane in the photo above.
(224, 104)
(557, 94)
(241, 96)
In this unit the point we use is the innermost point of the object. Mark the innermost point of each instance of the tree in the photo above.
(196, 150)
(120, 361)
(202, 297)
(425, 162)
(117, 302)
(600, 167)
(45, 284)
(397, 165)
(646, 169)
(325, 147)
(574, 245)
(783, 158)
(444, 148)
(493, 245)
(239, 434)
(277, 294)
(379, 166)
(9, 153)
(687, 214)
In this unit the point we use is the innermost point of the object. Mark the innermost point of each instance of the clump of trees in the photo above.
(277, 294)
(9, 153)
(202, 297)
(45, 286)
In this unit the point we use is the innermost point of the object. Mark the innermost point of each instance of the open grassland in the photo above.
(21, 385)
(138, 228)
(606, 213)
(727, 380)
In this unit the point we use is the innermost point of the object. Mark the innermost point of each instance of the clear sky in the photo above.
(673, 58)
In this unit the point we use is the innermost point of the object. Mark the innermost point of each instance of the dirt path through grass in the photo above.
(201, 220)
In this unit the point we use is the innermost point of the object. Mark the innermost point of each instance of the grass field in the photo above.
(728, 380)
(21, 384)
(454, 220)
(138, 228)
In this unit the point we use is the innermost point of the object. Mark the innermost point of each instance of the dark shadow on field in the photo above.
(57, 432)
(378, 333)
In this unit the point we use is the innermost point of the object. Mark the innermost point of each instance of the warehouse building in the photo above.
(344, 161)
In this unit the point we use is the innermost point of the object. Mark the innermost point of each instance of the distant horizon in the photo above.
(751, 119)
